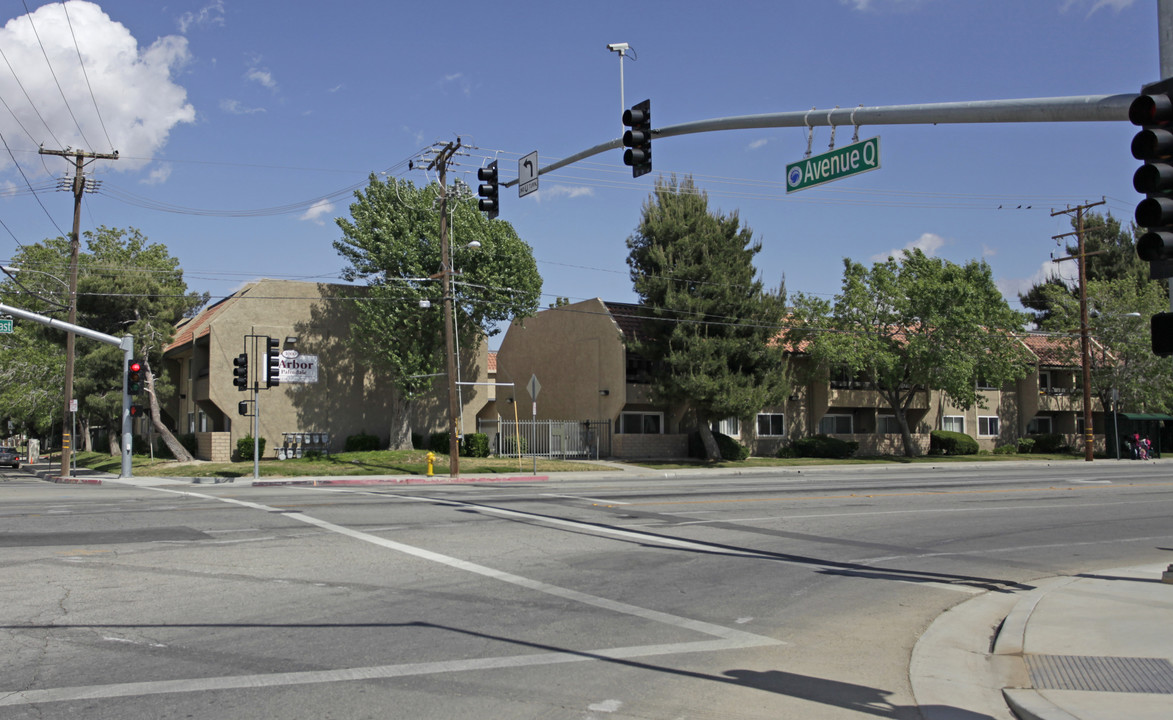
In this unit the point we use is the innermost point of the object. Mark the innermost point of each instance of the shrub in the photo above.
(1026, 445)
(188, 441)
(787, 451)
(438, 442)
(952, 443)
(728, 448)
(244, 448)
(475, 445)
(822, 446)
(1006, 450)
(1050, 443)
(361, 443)
(417, 441)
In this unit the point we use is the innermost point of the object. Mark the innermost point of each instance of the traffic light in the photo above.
(1153, 111)
(272, 361)
(242, 407)
(489, 202)
(240, 371)
(1161, 327)
(638, 140)
(137, 411)
(134, 377)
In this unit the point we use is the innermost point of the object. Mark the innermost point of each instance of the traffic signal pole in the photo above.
(1077, 108)
(126, 343)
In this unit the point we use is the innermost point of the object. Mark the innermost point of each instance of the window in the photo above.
(191, 422)
(988, 426)
(728, 426)
(641, 423)
(953, 423)
(203, 421)
(887, 425)
(1038, 425)
(771, 424)
(1044, 381)
(836, 425)
(984, 384)
(1079, 425)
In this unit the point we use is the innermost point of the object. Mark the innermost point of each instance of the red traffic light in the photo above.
(135, 367)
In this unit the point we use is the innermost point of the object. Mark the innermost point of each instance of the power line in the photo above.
(81, 63)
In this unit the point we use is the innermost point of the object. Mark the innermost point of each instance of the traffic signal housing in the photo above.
(134, 377)
(638, 140)
(240, 371)
(1153, 111)
(489, 191)
(272, 361)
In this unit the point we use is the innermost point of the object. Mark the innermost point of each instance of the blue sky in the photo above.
(241, 125)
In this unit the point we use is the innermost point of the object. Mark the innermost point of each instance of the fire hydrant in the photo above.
(431, 460)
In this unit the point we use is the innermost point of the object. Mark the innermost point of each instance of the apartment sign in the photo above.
(298, 368)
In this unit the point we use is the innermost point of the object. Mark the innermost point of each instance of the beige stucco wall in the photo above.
(347, 399)
(576, 352)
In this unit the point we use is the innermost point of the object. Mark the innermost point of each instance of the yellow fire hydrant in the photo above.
(431, 460)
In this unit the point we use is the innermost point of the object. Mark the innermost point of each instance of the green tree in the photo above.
(1122, 359)
(1110, 255)
(392, 242)
(914, 325)
(712, 326)
(125, 286)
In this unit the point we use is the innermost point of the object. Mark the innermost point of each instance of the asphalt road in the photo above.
(787, 596)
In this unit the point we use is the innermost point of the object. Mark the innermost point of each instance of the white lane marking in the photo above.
(587, 499)
(377, 672)
(669, 542)
(726, 638)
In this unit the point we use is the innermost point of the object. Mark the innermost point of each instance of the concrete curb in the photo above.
(1029, 704)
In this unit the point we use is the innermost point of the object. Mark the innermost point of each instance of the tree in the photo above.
(392, 242)
(1124, 360)
(914, 325)
(712, 326)
(125, 286)
(1110, 255)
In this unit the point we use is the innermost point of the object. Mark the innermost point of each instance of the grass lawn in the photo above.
(414, 462)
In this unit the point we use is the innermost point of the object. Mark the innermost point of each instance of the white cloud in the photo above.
(317, 210)
(264, 77)
(234, 107)
(758, 144)
(159, 175)
(878, 5)
(132, 86)
(212, 14)
(1067, 271)
(928, 243)
(458, 81)
(1116, 5)
(567, 191)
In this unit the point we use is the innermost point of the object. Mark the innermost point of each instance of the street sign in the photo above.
(534, 387)
(837, 164)
(527, 174)
(5, 325)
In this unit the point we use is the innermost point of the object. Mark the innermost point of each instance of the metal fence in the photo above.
(549, 438)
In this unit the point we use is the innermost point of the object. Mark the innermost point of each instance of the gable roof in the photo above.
(190, 329)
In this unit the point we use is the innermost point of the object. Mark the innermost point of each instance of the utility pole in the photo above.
(79, 188)
(440, 164)
(1084, 341)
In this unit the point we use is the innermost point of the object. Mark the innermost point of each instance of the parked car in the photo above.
(9, 456)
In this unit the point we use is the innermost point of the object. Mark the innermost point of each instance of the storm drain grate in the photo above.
(1102, 674)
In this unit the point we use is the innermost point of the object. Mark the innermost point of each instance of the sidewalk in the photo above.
(1097, 646)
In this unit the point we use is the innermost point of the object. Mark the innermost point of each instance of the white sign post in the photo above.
(534, 388)
(527, 174)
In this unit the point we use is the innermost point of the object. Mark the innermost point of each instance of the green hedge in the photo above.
(475, 445)
(361, 443)
(729, 448)
(244, 448)
(945, 442)
(823, 446)
(1050, 443)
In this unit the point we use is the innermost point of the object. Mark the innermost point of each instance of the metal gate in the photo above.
(561, 439)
